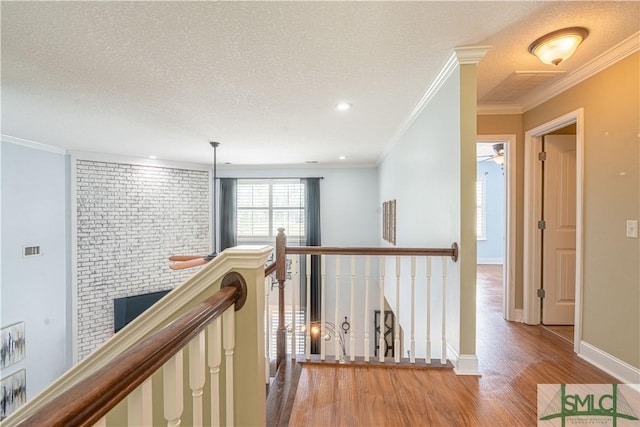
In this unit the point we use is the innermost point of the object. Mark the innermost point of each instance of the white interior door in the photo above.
(559, 235)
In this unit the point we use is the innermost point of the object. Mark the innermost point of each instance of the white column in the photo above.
(396, 325)
(229, 343)
(367, 279)
(173, 386)
(428, 304)
(140, 405)
(214, 358)
(443, 357)
(269, 332)
(197, 376)
(381, 349)
(412, 356)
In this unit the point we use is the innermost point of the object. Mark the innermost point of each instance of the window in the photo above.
(288, 321)
(481, 215)
(264, 206)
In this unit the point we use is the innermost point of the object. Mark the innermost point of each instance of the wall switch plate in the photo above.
(632, 228)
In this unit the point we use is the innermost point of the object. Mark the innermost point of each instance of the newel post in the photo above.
(281, 275)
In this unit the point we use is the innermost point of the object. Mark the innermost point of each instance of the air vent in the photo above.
(31, 251)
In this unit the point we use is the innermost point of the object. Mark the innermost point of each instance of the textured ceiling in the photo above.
(164, 78)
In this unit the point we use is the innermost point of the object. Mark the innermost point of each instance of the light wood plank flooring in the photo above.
(514, 358)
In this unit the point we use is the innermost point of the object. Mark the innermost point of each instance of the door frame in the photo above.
(509, 311)
(533, 211)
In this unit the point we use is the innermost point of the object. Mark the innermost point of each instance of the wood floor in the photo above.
(513, 357)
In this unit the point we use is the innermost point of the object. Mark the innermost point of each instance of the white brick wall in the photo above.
(130, 218)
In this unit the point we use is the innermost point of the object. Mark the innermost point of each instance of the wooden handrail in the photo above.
(86, 402)
(323, 250)
(270, 269)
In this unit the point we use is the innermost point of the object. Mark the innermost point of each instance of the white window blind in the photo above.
(481, 216)
(288, 322)
(265, 206)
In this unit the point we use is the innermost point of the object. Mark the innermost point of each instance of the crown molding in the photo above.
(487, 109)
(459, 56)
(591, 68)
(470, 54)
(32, 144)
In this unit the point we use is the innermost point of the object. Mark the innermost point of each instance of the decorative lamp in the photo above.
(558, 46)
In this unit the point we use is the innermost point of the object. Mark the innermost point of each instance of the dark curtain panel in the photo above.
(312, 228)
(228, 208)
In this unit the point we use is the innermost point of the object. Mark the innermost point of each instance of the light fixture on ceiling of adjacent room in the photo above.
(343, 106)
(342, 157)
(558, 46)
(499, 156)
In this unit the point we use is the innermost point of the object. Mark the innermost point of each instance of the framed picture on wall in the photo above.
(13, 392)
(389, 221)
(12, 344)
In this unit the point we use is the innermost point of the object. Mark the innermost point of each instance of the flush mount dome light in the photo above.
(343, 106)
(558, 46)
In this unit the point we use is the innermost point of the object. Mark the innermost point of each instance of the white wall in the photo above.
(34, 290)
(422, 173)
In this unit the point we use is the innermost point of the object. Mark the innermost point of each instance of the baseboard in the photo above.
(490, 261)
(519, 315)
(463, 364)
(610, 364)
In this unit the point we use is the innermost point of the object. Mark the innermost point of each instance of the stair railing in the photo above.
(359, 293)
(118, 390)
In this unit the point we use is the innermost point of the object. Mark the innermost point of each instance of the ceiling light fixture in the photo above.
(343, 157)
(343, 106)
(153, 157)
(558, 46)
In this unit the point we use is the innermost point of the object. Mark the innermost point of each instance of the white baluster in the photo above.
(269, 332)
(352, 337)
(173, 387)
(196, 375)
(443, 357)
(427, 358)
(336, 344)
(396, 326)
(412, 356)
(295, 277)
(214, 358)
(367, 279)
(307, 346)
(323, 274)
(381, 342)
(102, 422)
(140, 405)
(229, 343)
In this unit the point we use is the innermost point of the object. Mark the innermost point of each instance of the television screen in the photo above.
(126, 309)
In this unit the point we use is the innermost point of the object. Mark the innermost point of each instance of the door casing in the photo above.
(533, 211)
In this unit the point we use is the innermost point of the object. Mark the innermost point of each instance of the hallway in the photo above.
(513, 357)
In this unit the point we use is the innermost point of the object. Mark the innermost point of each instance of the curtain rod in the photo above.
(261, 177)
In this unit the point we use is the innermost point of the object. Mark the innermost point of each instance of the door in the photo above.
(559, 233)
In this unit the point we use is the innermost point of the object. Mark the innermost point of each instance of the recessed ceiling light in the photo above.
(153, 157)
(343, 106)
(311, 162)
(343, 157)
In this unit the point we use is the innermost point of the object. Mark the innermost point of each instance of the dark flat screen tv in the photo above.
(126, 309)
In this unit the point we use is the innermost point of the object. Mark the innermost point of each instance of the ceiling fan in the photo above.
(180, 262)
(497, 156)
